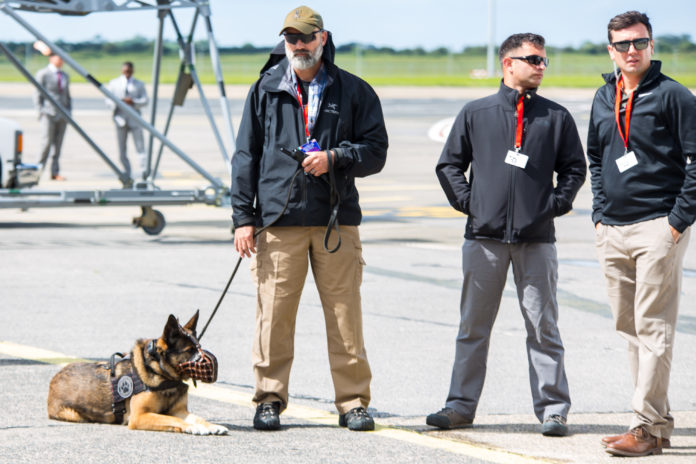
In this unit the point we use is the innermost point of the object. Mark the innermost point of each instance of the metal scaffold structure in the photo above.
(141, 192)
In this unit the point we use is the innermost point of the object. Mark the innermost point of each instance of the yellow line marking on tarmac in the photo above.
(231, 396)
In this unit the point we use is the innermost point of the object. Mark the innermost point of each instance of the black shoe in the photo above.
(357, 419)
(267, 416)
(448, 418)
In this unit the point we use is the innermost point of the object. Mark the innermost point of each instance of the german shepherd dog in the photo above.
(144, 390)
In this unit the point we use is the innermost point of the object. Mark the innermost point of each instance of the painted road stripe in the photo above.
(318, 416)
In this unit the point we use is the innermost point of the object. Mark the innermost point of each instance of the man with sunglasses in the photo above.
(512, 143)
(306, 105)
(641, 147)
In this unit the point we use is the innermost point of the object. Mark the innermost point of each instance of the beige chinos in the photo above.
(643, 269)
(279, 270)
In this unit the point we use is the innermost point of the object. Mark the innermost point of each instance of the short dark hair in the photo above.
(129, 64)
(517, 40)
(628, 19)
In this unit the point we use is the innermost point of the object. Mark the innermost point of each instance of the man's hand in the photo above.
(244, 241)
(128, 101)
(316, 164)
(675, 234)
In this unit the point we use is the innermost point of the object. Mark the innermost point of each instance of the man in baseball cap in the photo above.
(341, 136)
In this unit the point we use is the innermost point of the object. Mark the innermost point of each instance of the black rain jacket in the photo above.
(350, 122)
(505, 202)
(663, 137)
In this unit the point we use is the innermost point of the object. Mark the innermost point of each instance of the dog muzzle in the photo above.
(203, 367)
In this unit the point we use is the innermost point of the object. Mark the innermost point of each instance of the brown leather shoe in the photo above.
(58, 177)
(638, 442)
(613, 438)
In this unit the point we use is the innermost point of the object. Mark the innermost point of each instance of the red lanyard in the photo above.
(520, 121)
(617, 110)
(303, 107)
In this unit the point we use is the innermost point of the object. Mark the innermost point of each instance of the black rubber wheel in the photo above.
(159, 224)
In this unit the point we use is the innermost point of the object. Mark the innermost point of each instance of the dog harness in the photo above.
(129, 384)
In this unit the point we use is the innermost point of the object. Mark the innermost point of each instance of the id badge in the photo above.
(310, 146)
(515, 158)
(627, 161)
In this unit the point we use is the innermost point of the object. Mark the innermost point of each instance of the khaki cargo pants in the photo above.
(279, 270)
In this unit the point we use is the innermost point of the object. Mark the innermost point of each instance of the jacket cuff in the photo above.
(596, 217)
(243, 221)
(677, 223)
(341, 159)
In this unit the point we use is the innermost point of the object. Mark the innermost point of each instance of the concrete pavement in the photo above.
(81, 282)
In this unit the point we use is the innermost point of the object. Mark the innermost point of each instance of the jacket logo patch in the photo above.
(331, 108)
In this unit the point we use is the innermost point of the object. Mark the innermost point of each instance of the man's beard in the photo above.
(304, 61)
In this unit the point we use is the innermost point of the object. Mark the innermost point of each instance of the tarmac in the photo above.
(82, 283)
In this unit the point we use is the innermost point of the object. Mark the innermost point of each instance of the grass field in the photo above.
(565, 69)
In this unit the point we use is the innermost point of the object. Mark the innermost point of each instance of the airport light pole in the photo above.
(491, 39)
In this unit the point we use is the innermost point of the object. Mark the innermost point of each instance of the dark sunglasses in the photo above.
(534, 60)
(624, 45)
(305, 38)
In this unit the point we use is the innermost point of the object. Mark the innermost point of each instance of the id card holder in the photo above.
(627, 161)
(310, 146)
(515, 158)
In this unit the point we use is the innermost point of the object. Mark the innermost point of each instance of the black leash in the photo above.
(335, 199)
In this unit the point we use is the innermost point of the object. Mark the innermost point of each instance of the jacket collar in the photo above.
(650, 76)
(512, 96)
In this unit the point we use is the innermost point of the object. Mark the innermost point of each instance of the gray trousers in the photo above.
(52, 132)
(122, 137)
(535, 268)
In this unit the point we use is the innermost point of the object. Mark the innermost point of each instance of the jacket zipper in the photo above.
(508, 226)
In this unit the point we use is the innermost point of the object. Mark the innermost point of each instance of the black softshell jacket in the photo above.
(350, 121)
(505, 202)
(663, 136)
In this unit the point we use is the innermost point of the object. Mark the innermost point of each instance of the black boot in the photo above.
(267, 416)
(357, 419)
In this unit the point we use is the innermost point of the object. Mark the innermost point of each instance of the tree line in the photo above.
(138, 44)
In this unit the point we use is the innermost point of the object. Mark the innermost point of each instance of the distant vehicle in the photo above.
(13, 173)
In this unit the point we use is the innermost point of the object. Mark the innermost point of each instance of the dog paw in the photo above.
(216, 429)
(197, 429)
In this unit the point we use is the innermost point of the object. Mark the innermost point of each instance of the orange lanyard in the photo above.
(304, 108)
(617, 111)
(520, 121)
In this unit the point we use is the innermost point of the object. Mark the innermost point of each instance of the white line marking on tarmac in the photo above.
(318, 416)
(440, 130)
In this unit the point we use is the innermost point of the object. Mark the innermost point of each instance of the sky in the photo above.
(399, 24)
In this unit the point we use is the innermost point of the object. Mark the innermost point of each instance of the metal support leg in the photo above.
(157, 65)
(224, 103)
(188, 51)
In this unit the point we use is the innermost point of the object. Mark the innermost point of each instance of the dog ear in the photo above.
(171, 330)
(191, 324)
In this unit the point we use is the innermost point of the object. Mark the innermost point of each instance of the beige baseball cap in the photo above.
(304, 19)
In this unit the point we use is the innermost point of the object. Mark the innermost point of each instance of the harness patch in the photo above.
(124, 388)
